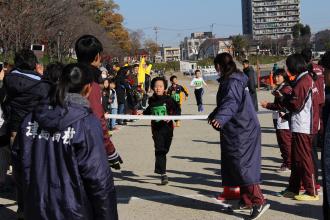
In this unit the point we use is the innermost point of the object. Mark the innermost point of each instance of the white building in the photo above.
(211, 47)
(190, 47)
(171, 54)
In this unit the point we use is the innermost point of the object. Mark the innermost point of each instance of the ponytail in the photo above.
(73, 80)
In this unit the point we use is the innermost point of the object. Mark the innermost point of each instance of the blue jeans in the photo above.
(114, 111)
(121, 111)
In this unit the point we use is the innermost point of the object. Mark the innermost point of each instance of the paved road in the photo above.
(193, 170)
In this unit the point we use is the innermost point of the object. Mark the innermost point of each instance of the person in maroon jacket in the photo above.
(283, 132)
(304, 107)
(88, 49)
(317, 70)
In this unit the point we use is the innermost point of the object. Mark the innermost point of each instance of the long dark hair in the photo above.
(226, 63)
(296, 64)
(53, 72)
(73, 80)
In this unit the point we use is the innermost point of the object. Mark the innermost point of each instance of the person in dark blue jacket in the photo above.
(240, 133)
(325, 62)
(65, 172)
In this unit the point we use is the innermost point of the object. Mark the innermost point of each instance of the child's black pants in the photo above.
(162, 136)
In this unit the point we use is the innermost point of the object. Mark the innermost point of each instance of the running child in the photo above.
(198, 82)
(176, 91)
(283, 133)
(161, 104)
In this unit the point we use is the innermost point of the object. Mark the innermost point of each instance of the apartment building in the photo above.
(269, 18)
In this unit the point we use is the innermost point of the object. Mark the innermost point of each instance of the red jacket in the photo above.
(282, 90)
(95, 101)
(319, 83)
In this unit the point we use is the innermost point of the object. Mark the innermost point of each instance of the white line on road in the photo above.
(164, 197)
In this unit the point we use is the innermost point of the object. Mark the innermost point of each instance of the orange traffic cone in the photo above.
(229, 193)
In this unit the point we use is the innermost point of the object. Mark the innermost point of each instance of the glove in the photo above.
(115, 160)
(211, 118)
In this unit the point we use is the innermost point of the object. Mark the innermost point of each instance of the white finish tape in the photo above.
(168, 117)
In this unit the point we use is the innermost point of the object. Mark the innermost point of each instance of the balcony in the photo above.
(277, 14)
(276, 9)
(274, 25)
(264, 3)
(275, 20)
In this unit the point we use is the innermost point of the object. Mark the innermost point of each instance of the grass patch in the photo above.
(265, 59)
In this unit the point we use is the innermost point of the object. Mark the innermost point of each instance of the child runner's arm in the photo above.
(192, 83)
(148, 109)
(95, 172)
(185, 91)
(205, 83)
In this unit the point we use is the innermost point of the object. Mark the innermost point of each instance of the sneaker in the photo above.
(202, 108)
(258, 211)
(306, 197)
(287, 194)
(283, 169)
(240, 207)
(164, 180)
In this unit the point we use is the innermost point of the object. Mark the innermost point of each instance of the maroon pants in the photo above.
(302, 167)
(252, 195)
(284, 139)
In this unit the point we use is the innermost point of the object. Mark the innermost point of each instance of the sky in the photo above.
(177, 19)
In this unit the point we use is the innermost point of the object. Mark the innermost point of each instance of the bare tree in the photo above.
(135, 39)
(27, 22)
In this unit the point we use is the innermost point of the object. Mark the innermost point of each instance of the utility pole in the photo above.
(213, 40)
(156, 29)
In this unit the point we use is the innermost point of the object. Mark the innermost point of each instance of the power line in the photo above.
(156, 29)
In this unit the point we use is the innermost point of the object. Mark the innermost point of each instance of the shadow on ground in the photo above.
(170, 199)
(207, 142)
(198, 159)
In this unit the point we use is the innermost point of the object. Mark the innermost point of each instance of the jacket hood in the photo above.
(240, 77)
(22, 81)
(58, 118)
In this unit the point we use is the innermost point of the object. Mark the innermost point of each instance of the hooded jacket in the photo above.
(240, 133)
(24, 89)
(64, 167)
